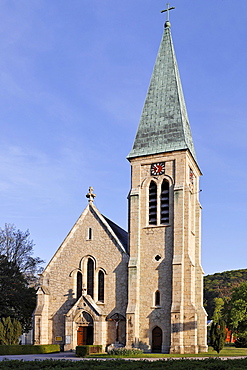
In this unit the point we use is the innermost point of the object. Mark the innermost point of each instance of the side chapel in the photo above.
(143, 288)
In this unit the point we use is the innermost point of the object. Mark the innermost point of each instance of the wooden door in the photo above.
(82, 336)
(156, 340)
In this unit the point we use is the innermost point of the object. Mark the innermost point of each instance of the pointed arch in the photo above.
(101, 286)
(164, 202)
(78, 285)
(90, 277)
(156, 339)
(152, 203)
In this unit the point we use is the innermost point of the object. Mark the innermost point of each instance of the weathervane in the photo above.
(167, 10)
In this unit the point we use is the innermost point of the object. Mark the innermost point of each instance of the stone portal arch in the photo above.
(85, 332)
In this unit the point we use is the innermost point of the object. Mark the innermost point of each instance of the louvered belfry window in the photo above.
(90, 277)
(152, 203)
(164, 203)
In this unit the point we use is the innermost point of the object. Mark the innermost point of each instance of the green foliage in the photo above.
(220, 285)
(82, 351)
(208, 364)
(237, 310)
(10, 331)
(17, 299)
(122, 351)
(218, 334)
(28, 349)
(218, 307)
(241, 342)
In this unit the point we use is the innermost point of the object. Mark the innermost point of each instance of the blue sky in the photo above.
(73, 80)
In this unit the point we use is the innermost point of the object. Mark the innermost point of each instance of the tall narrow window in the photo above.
(153, 203)
(79, 285)
(90, 233)
(164, 203)
(90, 276)
(101, 292)
(157, 298)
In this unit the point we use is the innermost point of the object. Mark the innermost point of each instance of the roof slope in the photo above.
(120, 233)
(164, 124)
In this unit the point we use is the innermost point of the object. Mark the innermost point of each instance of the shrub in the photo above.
(28, 349)
(122, 351)
(82, 351)
(10, 331)
(241, 342)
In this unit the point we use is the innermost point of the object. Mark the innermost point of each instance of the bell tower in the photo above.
(165, 298)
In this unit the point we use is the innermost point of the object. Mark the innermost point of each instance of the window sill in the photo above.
(100, 303)
(156, 226)
(156, 307)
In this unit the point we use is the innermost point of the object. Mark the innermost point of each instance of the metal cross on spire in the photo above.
(167, 10)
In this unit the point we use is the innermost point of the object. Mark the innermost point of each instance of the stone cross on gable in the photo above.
(167, 10)
(90, 195)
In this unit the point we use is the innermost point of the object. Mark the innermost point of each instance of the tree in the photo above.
(10, 331)
(220, 285)
(17, 247)
(17, 298)
(218, 326)
(218, 335)
(237, 310)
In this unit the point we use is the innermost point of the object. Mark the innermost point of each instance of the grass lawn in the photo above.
(227, 351)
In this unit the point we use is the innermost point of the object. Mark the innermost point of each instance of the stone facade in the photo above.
(61, 309)
(142, 290)
(166, 258)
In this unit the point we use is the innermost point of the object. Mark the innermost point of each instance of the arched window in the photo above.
(90, 277)
(78, 285)
(101, 288)
(157, 298)
(153, 203)
(164, 203)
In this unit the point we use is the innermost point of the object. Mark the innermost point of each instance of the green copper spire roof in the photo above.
(164, 124)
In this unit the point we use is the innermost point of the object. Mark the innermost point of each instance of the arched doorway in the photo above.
(156, 340)
(85, 330)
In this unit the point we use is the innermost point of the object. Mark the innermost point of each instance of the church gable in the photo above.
(90, 228)
(88, 272)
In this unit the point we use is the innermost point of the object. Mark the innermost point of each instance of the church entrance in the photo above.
(84, 335)
(85, 329)
(156, 340)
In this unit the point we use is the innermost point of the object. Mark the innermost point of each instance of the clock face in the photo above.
(158, 168)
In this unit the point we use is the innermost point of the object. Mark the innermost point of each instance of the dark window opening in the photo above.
(153, 203)
(157, 257)
(90, 233)
(79, 285)
(101, 292)
(157, 298)
(164, 203)
(90, 276)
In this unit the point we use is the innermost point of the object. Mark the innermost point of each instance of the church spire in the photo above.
(164, 124)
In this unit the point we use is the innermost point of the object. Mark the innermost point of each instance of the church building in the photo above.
(143, 288)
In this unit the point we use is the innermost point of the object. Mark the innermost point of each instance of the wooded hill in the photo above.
(220, 285)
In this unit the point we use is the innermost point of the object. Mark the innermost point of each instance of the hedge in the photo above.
(208, 364)
(82, 351)
(28, 349)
